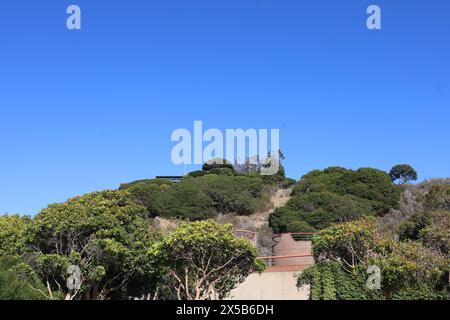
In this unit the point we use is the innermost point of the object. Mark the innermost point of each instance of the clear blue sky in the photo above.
(86, 110)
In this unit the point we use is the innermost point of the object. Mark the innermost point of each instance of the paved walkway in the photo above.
(270, 286)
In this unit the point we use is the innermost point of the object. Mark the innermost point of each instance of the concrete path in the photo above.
(270, 286)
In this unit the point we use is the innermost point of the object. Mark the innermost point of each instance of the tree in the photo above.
(103, 233)
(349, 243)
(412, 271)
(403, 173)
(12, 234)
(205, 260)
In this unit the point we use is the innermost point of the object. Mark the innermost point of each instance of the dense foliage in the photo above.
(143, 190)
(184, 201)
(104, 233)
(119, 253)
(335, 195)
(12, 234)
(431, 225)
(201, 197)
(16, 285)
(344, 252)
(329, 281)
(122, 255)
(205, 259)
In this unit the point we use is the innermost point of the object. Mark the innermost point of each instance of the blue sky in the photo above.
(87, 110)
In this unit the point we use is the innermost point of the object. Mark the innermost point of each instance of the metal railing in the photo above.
(298, 236)
(249, 235)
(298, 265)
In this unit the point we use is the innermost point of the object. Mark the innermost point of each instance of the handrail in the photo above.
(245, 231)
(294, 234)
(285, 257)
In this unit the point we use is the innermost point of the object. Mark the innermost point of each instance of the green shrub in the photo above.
(16, 285)
(438, 197)
(232, 194)
(144, 190)
(184, 201)
(329, 281)
(198, 173)
(201, 195)
(409, 270)
(12, 234)
(335, 194)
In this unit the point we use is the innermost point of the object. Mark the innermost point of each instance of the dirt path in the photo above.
(281, 197)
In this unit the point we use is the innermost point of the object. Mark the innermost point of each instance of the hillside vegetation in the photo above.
(336, 194)
(217, 189)
(410, 246)
(363, 217)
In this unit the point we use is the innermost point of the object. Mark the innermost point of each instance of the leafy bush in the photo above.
(12, 234)
(329, 281)
(438, 197)
(184, 201)
(144, 190)
(350, 242)
(316, 211)
(237, 194)
(198, 173)
(429, 227)
(13, 286)
(206, 196)
(335, 195)
(409, 270)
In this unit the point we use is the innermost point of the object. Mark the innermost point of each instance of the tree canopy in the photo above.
(103, 233)
(403, 173)
(205, 259)
(13, 234)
